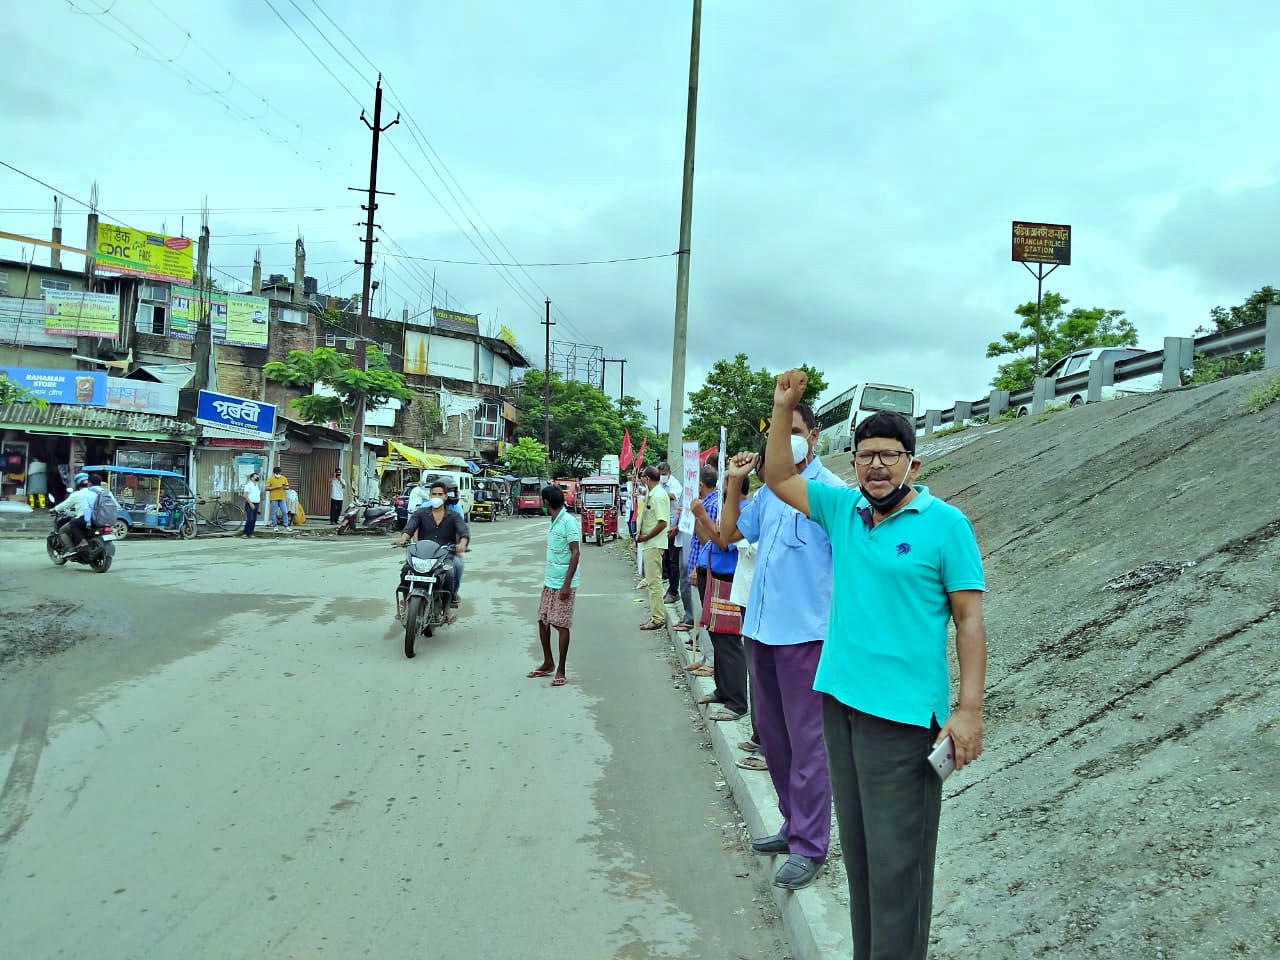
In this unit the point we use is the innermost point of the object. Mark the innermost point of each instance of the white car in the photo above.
(1078, 362)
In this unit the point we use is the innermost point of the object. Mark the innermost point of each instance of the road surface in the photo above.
(233, 758)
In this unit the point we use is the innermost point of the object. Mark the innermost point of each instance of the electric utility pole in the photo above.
(546, 383)
(362, 326)
(675, 413)
(657, 417)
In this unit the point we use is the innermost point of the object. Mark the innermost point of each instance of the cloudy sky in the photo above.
(858, 163)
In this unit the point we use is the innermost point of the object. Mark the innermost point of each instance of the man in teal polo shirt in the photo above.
(905, 564)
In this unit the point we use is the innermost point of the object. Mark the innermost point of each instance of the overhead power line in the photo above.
(566, 263)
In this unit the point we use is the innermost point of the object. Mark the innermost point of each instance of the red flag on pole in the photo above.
(626, 456)
(640, 457)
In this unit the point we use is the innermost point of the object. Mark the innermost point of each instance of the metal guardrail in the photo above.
(1228, 343)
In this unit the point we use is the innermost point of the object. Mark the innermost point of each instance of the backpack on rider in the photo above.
(106, 509)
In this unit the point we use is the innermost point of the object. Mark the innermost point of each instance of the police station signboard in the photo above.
(1042, 243)
(247, 417)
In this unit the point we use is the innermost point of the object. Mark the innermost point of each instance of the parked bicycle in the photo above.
(226, 516)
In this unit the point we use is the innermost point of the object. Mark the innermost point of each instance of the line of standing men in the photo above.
(846, 635)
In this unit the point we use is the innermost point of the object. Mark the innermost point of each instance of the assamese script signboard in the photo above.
(246, 321)
(133, 253)
(1042, 243)
(82, 315)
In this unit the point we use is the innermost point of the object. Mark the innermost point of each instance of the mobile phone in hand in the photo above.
(943, 758)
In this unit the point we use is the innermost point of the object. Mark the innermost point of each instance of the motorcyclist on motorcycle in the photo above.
(71, 516)
(451, 501)
(434, 521)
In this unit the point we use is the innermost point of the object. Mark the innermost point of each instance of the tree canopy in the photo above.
(585, 423)
(10, 392)
(1060, 333)
(737, 398)
(1253, 310)
(339, 373)
(527, 458)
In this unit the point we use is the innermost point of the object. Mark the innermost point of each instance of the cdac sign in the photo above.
(1042, 243)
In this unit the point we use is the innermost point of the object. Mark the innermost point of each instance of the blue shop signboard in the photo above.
(235, 413)
(84, 387)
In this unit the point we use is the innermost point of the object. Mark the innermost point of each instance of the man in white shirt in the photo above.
(72, 507)
(419, 495)
(675, 566)
(337, 494)
(251, 493)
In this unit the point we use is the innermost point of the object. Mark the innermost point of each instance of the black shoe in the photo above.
(669, 598)
(454, 602)
(797, 872)
(775, 844)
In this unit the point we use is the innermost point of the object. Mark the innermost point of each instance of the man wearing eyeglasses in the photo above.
(905, 564)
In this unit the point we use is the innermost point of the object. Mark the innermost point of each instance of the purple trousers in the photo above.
(789, 716)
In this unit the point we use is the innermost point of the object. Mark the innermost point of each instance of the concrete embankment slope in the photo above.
(1127, 804)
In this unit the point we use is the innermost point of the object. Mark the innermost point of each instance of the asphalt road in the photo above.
(233, 758)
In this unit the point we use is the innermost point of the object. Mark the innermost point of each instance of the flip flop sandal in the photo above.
(722, 715)
(753, 763)
(559, 681)
(532, 674)
(702, 670)
(748, 746)
(652, 625)
(709, 698)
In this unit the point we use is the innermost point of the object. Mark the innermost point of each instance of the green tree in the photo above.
(527, 458)
(336, 370)
(737, 398)
(585, 424)
(10, 392)
(1253, 310)
(1060, 333)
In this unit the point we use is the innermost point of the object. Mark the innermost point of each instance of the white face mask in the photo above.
(436, 503)
(799, 449)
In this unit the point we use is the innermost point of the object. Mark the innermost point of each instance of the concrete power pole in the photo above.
(362, 328)
(546, 383)
(675, 413)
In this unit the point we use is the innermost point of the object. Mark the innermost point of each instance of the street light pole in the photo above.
(675, 412)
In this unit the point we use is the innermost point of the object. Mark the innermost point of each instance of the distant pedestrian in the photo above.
(251, 493)
(652, 539)
(337, 495)
(277, 484)
(293, 512)
(559, 584)
(906, 565)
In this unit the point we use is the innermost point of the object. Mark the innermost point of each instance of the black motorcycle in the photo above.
(428, 573)
(95, 551)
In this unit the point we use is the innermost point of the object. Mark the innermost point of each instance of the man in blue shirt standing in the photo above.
(906, 563)
(786, 622)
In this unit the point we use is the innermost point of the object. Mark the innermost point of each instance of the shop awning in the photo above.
(86, 421)
(174, 374)
(420, 458)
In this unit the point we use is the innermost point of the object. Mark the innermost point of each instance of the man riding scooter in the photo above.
(437, 522)
(69, 514)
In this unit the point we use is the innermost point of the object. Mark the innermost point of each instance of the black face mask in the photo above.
(895, 496)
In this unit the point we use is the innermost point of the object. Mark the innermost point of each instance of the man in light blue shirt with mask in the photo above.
(785, 624)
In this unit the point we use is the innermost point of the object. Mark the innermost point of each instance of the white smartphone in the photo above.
(943, 758)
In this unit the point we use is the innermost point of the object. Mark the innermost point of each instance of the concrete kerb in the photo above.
(816, 925)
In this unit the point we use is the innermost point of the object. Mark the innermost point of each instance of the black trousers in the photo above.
(887, 800)
(335, 510)
(730, 659)
(671, 569)
(250, 518)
